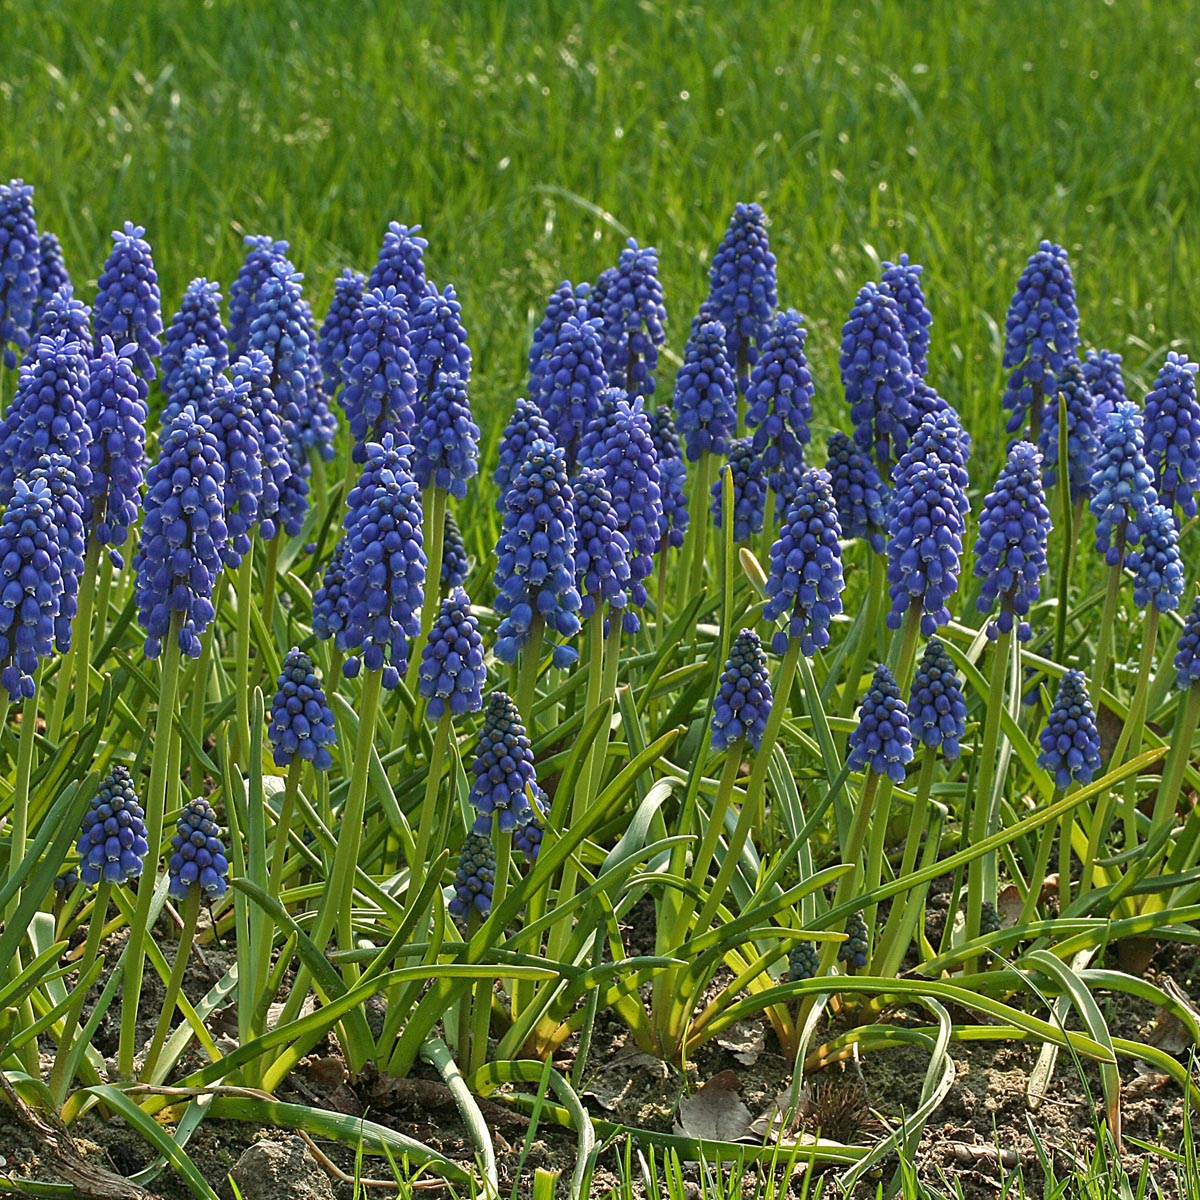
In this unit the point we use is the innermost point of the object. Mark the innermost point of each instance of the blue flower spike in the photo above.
(1070, 741)
(128, 304)
(112, 844)
(452, 672)
(937, 708)
(302, 724)
(744, 697)
(198, 858)
(882, 741)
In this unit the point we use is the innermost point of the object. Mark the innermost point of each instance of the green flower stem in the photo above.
(1135, 724)
(981, 806)
(1108, 615)
(59, 1087)
(1038, 877)
(156, 796)
(877, 844)
(74, 674)
(660, 596)
(279, 851)
(889, 952)
(19, 819)
(876, 591)
(338, 900)
(429, 805)
(612, 663)
(758, 778)
(1035, 410)
(695, 539)
(1068, 531)
(527, 671)
(467, 1001)
(241, 677)
(190, 911)
(270, 570)
(714, 828)
(200, 674)
(906, 657)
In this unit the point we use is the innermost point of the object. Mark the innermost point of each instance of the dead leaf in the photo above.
(716, 1112)
(744, 1040)
(618, 1079)
(970, 1154)
(1009, 905)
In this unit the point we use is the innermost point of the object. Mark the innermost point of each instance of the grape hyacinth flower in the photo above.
(749, 490)
(527, 837)
(743, 700)
(1082, 427)
(48, 414)
(1122, 483)
(438, 340)
(1172, 427)
(1041, 334)
(601, 549)
(705, 391)
(503, 767)
(62, 315)
(179, 555)
(251, 376)
(1102, 373)
(52, 272)
(196, 383)
(902, 281)
(456, 565)
(280, 331)
(401, 265)
(128, 305)
(67, 503)
(331, 602)
(1187, 651)
(197, 323)
(926, 401)
(199, 854)
(262, 255)
(882, 741)
(877, 375)
(805, 580)
(1070, 741)
(937, 708)
(1156, 565)
(742, 285)
(237, 432)
(474, 877)
(116, 415)
(526, 427)
(112, 843)
(31, 585)
(380, 396)
(535, 568)
(926, 527)
(858, 492)
(384, 564)
(780, 395)
(20, 268)
(633, 315)
(803, 962)
(571, 380)
(333, 341)
(1010, 551)
(445, 450)
(567, 300)
(452, 673)
(301, 721)
(854, 950)
(672, 472)
(939, 437)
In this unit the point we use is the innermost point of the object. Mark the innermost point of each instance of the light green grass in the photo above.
(528, 138)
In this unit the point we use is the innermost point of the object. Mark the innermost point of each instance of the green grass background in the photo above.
(530, 138)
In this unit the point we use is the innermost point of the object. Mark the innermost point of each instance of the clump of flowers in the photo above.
(445, 439)
(62, 315)
(474, 877)
(439, 340)
(705, 391)
(128, 305)
(1172, 427)
(1122, 483)
(301, 721)
(452, 673)
(633, 315)
(1070, 741)
(455, 563)
(112, 844)
(742, 284)
(937, 708)
(882, 741)
(1156, 565)
(744, 697)
(601, 549)
(780, 394)
(333, 340)
(20, 262)
(571, 380)
(749, 490)
(503, 767)
(199, 854)
(902, 281)
(1082, 426)
(401, 264)
(567, 300)
(1187, 651)
(672, 472)
(197, 323)
(858, 492)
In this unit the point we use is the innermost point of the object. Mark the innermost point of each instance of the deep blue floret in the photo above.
(197, 323)
(780, 394)
(301, 721)
(1041, 333)
(567, 300)
(1122, 483)
(526, 427)
(445, 439)
(31, 585)
(452, 673)
(877, 375)
(116, 415)
(128, 305)
(474, 877)
(601, 549)
(1010, 551)
(20, 268)
(62, 315)
(535, 556)
(199, 854)
(859, 493)
(902, 281)
(381, 393)
(401, 264)
(937, 709)
(1156, 565)
(251, 381)
(805, 580)
(384, 564)
(455, 563)
(503, 767)
(749, 490)
(179, 554)
(882, 741)
(112, 844)
(1102, 373)
(705, 393)
(1187, 651)
(1083, 444)
(571, 380)
(1172, 427)
(742, 285)
(52, 272)
(633, 316)
(1070, 741)
(672, 473)
(333, 342)
(744, 699)
(438, 340)
(262, 254)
